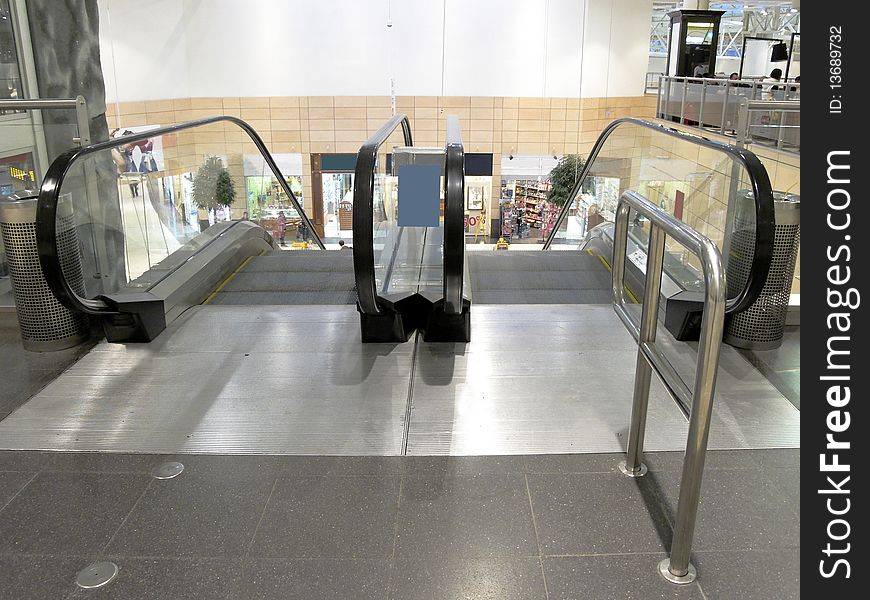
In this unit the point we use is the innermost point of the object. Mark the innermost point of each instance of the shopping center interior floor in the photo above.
(311, 527)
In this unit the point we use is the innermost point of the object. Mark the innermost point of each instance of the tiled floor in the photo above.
(524, 527)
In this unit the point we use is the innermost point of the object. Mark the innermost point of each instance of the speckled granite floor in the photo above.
(518, 527)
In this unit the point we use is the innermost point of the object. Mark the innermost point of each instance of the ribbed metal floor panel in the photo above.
(568, 277)
(261, 380)
(296, 380)
(556, 379)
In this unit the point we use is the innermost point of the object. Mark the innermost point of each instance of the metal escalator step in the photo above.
(542, 297)
(559, 277)
(293, 263)
(277, 281)
(551, 280)
(533, 261)
(286, 297)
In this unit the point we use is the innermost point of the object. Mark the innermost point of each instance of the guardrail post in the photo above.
(743, 135)
(633, 466)
(683, 103)
(781, 126)
(677, 568)
(659, 99)
(703, 100)
(725, 106)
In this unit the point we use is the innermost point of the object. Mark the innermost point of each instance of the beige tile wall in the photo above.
(327, 124)
(497, 125)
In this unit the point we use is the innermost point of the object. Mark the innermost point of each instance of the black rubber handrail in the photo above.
(363, 207)
(454, 218)
(761, 188)
(49, 193)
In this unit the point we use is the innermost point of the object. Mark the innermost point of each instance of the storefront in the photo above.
(529, 210)
(267, 201)
(525, 215)
(332, 194)
(17, 172)
(478, 196)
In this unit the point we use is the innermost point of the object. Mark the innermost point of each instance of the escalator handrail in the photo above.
(363, 208)
(761, 188)
(49, 194)
(454, 218)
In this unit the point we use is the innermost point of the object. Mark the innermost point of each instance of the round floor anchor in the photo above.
(96, 575)
(167, 470)
(640, 472)
(689, 577)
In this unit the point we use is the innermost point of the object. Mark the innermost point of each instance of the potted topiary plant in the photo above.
(213, 187)
(563, 177)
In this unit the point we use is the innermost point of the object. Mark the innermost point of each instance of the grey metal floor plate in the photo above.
(296, 380)
(260, 380)
(556, 379)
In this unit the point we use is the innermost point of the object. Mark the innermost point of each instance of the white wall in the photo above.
(616, 50)
(201, 48)
(143, 49)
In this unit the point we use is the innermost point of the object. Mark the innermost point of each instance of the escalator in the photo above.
(410, 278)
(139, 265)
(698, 180)
(264, 351)
(136, 275)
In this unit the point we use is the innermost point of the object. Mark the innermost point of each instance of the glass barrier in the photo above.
(407, 260)
(139, 208)
(414, 261)
(702, 186)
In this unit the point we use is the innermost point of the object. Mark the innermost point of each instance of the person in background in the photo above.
(733, 77)
(775, 76)
(343, 246)
(282, 225)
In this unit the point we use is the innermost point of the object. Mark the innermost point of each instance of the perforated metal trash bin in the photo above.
(45, 323)
(761, 327)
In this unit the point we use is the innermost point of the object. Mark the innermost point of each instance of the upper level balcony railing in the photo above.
(714, 105)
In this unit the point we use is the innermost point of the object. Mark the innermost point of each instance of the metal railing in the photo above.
(699, 401)
(776, 121)
(78, 104)
(713, 104)
(759, 182)
(653, 80)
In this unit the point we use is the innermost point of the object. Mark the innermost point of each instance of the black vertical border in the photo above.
(824, 132)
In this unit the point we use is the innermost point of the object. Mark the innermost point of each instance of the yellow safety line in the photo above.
(609, 268)
(227, 280)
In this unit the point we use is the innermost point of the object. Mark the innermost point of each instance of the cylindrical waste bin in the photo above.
(762, 325)
(45, 323)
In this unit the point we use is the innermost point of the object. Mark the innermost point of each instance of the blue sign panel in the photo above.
(419, 195)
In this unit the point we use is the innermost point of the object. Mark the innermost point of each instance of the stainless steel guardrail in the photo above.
(786, 128)
(78, 104)
(715, 105)
(697, 403)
